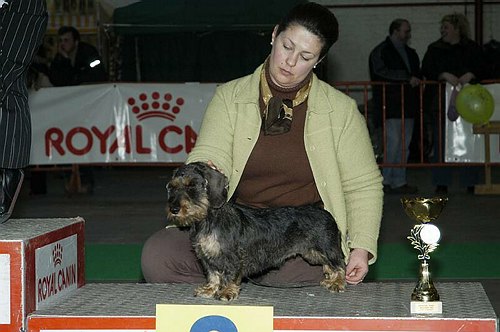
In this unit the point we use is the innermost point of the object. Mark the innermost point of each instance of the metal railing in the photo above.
(425, 124)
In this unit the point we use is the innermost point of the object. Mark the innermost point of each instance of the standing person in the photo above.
(320, 152)
(395, 62)
(22, 27)
(76, 62)
(457, 60)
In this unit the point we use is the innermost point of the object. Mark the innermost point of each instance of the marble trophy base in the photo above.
(426, 308)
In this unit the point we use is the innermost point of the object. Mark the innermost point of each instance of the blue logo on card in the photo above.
(213, 324)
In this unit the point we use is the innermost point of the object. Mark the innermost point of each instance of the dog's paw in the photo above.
(334, 279)
(207, 291)
(334, 286)
(228, 293)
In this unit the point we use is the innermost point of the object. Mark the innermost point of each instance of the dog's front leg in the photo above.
(230, 288)
(212, 286)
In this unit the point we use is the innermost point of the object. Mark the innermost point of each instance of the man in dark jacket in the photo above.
(393, 64)
(76, 62)
(22, 27)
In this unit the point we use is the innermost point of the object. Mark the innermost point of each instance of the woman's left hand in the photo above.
(357, 267)
(466, 78)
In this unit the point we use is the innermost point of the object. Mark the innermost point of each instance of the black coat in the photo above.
(22, 27)
(62, 73)
(458, 59)
(466, 56)
(387, 65)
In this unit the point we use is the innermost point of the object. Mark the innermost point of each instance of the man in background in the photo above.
(76, 62)
(394, 62)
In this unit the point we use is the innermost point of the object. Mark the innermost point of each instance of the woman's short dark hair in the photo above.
(65, 29)
(316, 19)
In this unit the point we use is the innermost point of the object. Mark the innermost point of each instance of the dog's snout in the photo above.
(175, 209)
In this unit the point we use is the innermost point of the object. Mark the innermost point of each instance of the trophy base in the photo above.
(426, 308)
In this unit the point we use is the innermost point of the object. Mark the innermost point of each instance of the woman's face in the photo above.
(294, 53)
(449, 34)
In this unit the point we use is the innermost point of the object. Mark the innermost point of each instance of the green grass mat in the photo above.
(448, 261)
(113, 262)
(121, 262)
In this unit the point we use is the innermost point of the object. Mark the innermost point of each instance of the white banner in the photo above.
(148, 123)
(113, 123)
(4, 289)
(464, 146)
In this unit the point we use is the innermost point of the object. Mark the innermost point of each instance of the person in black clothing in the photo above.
(76, 62)
(38, 77)
(492, 59)
(393, 61)
(22, 27)
(457, 60)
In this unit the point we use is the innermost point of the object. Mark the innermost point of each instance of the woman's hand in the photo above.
(414, 81)
(466, 78)
(357, 267)
(450, 78)
(60, 50)
(212, 165)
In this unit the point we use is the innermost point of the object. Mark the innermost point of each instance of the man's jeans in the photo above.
(396, 176)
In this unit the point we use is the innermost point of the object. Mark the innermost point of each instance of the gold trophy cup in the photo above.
(424, 237)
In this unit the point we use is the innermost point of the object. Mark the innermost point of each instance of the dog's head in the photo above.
(193, 190)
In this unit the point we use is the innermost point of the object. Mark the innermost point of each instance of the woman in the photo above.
(320, 151)
(457, 60)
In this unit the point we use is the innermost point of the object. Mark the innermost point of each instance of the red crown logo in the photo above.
(57, 254)
(156, 107)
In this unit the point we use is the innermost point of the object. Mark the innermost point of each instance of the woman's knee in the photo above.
(167, 256)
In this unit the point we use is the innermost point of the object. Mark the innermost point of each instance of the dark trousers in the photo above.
(168, 257)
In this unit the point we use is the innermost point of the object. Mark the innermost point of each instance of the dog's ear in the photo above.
(217, 185)
(168, 185)
(174, 173)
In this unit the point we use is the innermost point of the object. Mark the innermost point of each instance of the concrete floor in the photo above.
(128, 205)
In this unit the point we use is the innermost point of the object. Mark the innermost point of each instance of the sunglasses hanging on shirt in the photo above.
(278, 113)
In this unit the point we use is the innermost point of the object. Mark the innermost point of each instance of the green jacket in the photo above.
(337, 145)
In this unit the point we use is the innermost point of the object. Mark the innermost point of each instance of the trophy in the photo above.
(424, 237)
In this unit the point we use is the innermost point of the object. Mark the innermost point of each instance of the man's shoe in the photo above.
(404, 189)
(12, 181)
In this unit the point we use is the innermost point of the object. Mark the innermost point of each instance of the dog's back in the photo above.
(265, 238)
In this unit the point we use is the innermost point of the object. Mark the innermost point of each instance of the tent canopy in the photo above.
(193, 40)
(161, 16)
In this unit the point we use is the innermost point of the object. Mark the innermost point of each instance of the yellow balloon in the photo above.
(475, 104)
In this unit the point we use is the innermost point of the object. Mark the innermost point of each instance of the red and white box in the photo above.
(371, 306)
(41, 260)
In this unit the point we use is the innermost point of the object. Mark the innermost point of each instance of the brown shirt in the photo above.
(278, 171)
